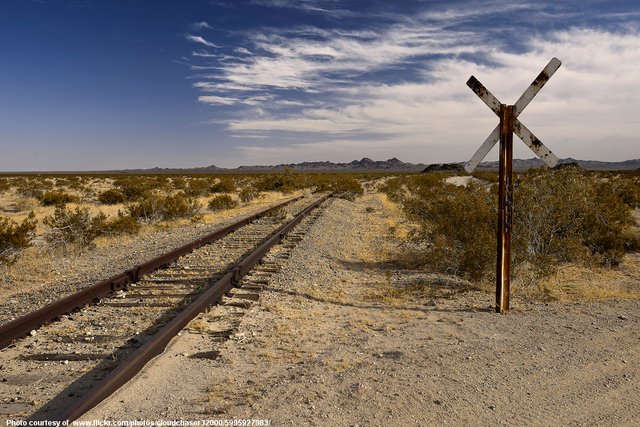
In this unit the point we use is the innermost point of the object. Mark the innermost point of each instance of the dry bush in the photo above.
(222, 202)
(156, 207)
(15, 237)
(486, 176)
(5, 184)
(198, 187)
(112, 197)
(56, 198)
(285, 182)
(627, 188)
(121, 224)
(78, 228)
(343, 186)
(459, 226)
(138, 187)
(225, 184)
(249, 194)
(73, 227)
(560, 216)
(33, 187)
(564, 216)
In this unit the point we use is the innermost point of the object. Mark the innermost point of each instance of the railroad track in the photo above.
(61, 370)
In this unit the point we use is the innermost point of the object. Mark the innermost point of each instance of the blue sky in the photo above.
(102, 84)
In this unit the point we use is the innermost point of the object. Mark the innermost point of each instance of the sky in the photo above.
(114, 84)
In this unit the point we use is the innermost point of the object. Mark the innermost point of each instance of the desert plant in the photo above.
(138, 187)
(564, 215)
(112, 197)
(5, 184)
(56, 198)
(346, 187)
(198, 187)
(459, 226)
(222, 202)
(15, 237)
(559, 216)
(249, 194)
(627, 188)
(224, 185)
(77, 227)
(121, 224)
(154, 207)
(285, 182)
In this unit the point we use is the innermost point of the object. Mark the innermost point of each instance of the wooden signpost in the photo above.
(509, 124)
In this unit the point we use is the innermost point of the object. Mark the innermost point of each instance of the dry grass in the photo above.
(575, 283)
(34, 267)
(421, 292)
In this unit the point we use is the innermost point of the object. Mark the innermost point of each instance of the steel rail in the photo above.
(157, 344)
(21, 326)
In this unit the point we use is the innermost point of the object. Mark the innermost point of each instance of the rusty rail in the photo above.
(21, 326)
(137, 360)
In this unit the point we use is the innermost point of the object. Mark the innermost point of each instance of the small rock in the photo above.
(492, 407)
(33, 332)
(432, 303)
(622, 317)
(65, 362)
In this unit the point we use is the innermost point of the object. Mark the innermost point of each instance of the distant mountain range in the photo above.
(365, 165)
(592, 165)
(392, 165)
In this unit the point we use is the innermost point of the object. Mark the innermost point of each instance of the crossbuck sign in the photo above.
(509, 124)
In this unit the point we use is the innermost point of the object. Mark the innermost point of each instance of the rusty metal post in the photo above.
(505, 209)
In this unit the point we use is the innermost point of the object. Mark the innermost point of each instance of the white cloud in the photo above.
(587, 110)
(200, 25)
(217, 100)
(199, 39)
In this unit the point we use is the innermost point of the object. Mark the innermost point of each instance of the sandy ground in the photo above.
(338, 339)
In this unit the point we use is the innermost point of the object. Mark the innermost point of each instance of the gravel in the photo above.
(329, 344)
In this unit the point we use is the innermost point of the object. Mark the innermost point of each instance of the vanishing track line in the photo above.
(63, 369)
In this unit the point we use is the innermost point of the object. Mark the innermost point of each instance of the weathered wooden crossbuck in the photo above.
(509, 124)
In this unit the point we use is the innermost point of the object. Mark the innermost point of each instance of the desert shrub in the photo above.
(33, 187)
(225, 184)
(627, 188)
(5, 184)
(559, 216)
(417, 185)
(198, 187)
(155, 207)
(285, 182)
(57, 198)
(393, 188)
(15, 237)
(486, 176)
(222, 202)
(112, 197)
(137, 187)
(179, 182)
(249, 194)
(346, 187)
(564, 215)
(121, 224)
(460, 228)
(73, 227)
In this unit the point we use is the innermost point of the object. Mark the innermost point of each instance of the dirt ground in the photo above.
(337, 339)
